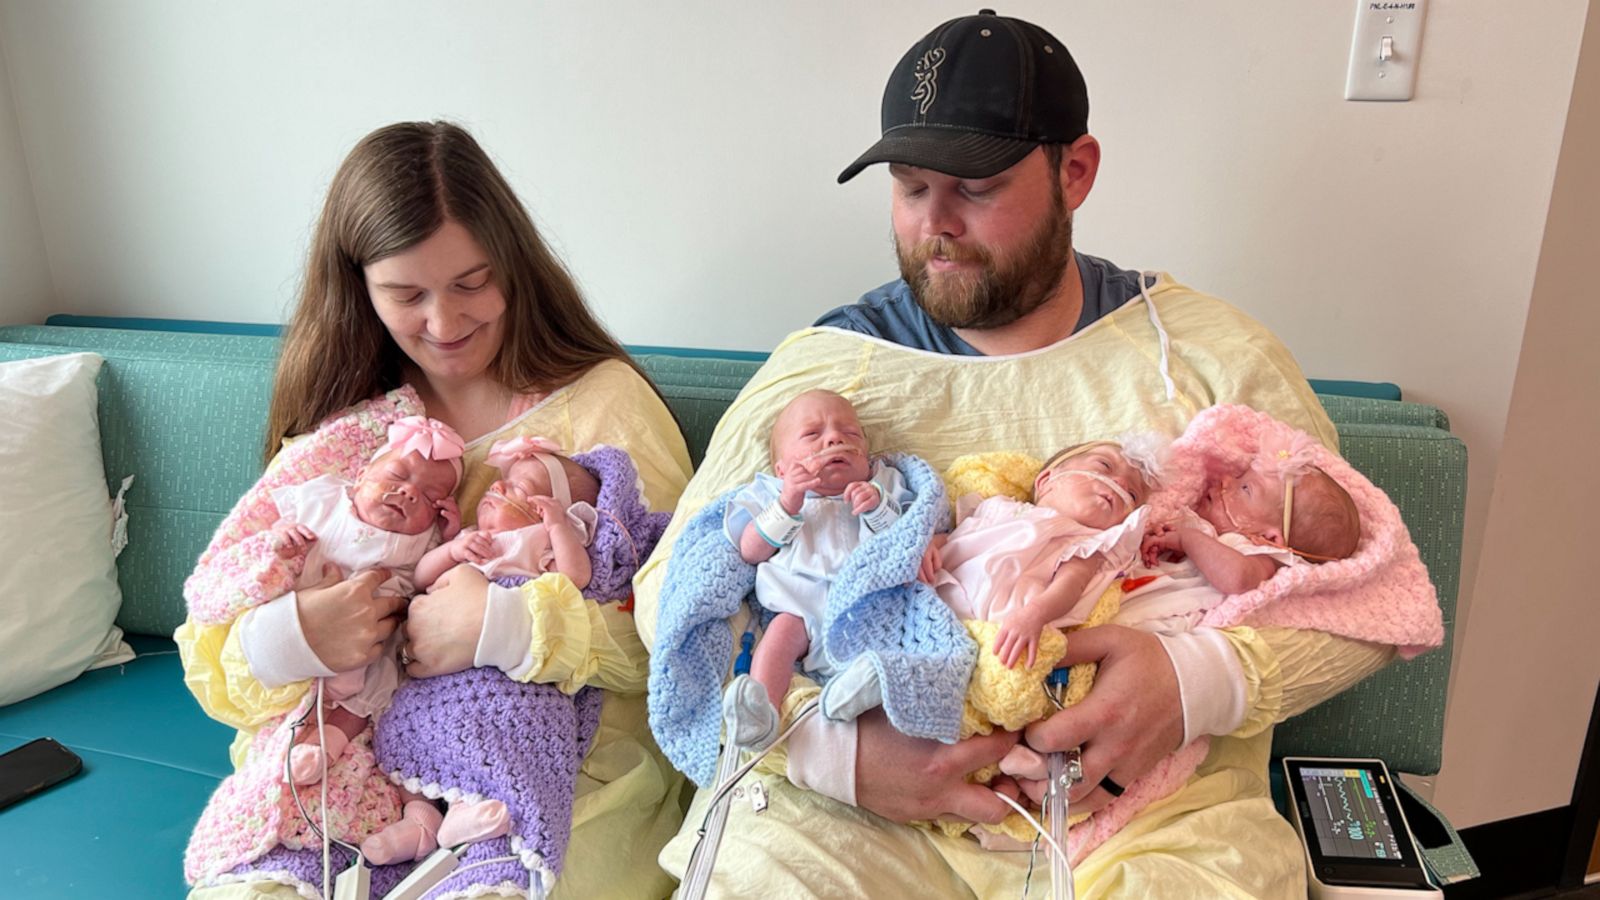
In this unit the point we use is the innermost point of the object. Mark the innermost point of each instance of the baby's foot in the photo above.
(752, 720)
(852, 692)
(306, 761)
(413, 837)
(468, 823)
(1024, 762)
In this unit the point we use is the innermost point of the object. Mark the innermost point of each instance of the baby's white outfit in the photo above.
(323, 504)
(1179, 596)
(1006, 551)
(796, 579)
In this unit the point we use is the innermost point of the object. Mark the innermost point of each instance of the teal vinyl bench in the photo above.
(184, 410)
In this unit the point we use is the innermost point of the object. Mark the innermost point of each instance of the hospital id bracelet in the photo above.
(776, 526)
(883, 515)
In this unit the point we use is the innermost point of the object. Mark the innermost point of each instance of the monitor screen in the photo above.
(1348, 813)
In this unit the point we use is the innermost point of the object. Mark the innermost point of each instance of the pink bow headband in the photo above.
(429, 438)
(504, 453)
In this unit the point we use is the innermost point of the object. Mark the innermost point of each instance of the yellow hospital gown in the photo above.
(1217, 837)
(626, 804)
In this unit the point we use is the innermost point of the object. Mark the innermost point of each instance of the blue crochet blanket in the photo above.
(876, 609)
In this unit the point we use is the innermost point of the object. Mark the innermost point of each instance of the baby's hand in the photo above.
(1161, 539)
(864, 496)
(450, 513)
(550, 511)
(796, 482)
(290, 539)
(473, 547)
(932, 559)
(1019, 631)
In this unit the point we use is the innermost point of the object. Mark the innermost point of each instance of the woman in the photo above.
(428, 281)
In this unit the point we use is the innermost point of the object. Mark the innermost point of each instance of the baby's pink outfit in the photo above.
(1007, 551)
(527, 550)
(323, 504)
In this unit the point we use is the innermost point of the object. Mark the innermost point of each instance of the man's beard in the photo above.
(994, 293)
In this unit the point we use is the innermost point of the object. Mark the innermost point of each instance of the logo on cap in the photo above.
(927, 75)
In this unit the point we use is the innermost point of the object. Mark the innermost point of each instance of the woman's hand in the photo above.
(907, 779)
(344, 623)
(1131, 718)
(443, 625)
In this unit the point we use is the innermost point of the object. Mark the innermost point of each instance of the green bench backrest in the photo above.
(185, 413)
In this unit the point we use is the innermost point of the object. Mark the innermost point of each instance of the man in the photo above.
(985, 132)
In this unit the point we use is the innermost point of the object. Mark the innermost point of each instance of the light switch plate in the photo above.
(1371, 76)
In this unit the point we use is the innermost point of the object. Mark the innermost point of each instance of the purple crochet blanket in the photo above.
(627, 531)
(480, 733)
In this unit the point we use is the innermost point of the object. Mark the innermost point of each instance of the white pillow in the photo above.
(58, 580)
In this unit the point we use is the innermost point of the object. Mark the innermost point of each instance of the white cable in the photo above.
(294, 791)
(532, 875)
(327, 867)
(1034, 822)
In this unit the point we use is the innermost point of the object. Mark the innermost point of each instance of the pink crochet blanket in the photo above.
(251, 811)
(1381, 594)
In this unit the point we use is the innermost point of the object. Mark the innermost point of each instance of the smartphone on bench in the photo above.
(34, 766)
(1356, 839)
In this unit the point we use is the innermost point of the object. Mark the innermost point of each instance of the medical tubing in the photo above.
(1031, 821)
(1056, 803)
(533, 877)
(697, 876)
(294, 790)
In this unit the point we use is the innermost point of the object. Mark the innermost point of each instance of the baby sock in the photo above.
(752, 721)
(306, 759)
(468, 823)
(413, 837)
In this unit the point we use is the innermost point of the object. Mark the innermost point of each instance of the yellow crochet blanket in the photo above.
(998, 696)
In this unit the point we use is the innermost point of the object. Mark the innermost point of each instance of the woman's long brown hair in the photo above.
(394, 190)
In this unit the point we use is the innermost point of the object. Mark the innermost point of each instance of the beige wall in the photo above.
(25, 288)
(1526, 675)
(682, 157)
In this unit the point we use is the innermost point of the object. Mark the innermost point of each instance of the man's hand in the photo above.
(1131, 718)
(907, 779)
(863, 496)
(442, 626)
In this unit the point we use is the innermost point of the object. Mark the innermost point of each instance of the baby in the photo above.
(798, 526)
(528, 523)
(1029, 566)
(539, 517)
(1281, 511)
(396, 509)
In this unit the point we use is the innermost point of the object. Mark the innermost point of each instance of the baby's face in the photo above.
(820, 434)
(507, 506)
(1249, 504)
(402, 493)
(1074, 487)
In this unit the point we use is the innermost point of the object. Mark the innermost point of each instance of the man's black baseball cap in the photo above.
(977, 95)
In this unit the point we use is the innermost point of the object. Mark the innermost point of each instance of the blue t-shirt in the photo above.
(891, 313)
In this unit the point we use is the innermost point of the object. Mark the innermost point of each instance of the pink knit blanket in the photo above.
(251, 811)
(1381, 594)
